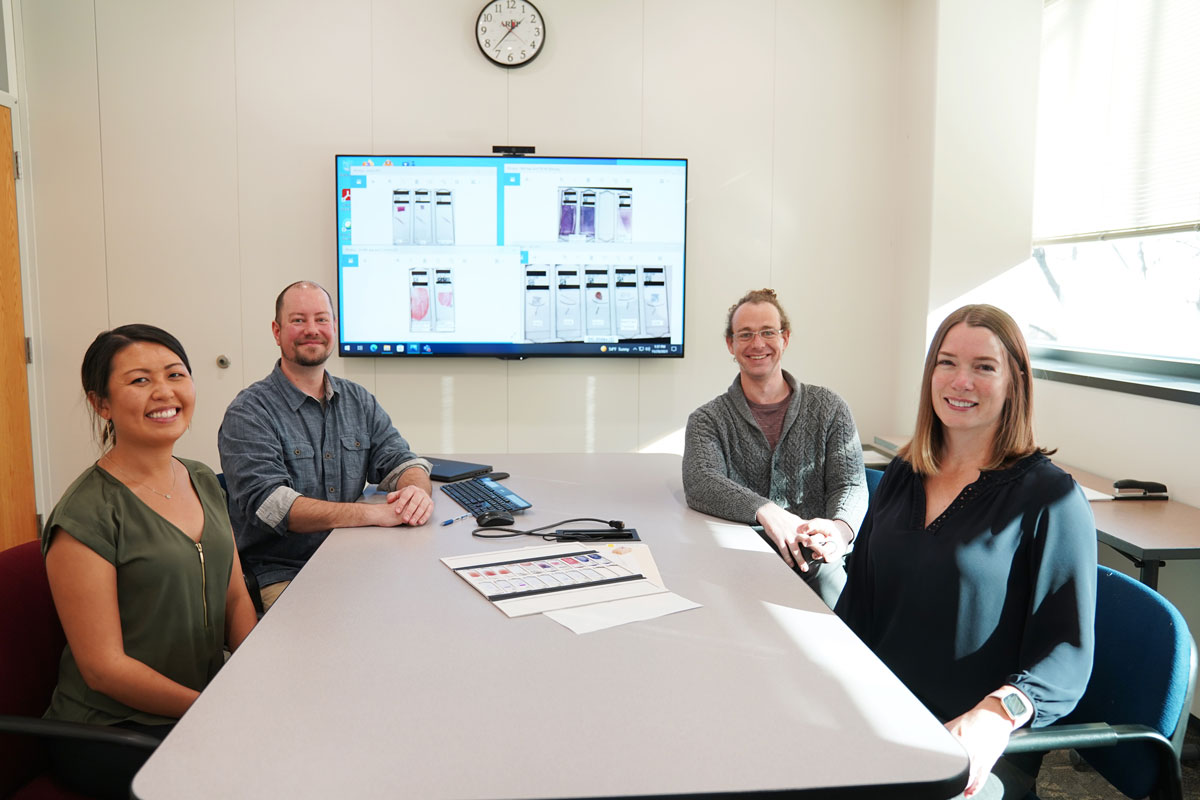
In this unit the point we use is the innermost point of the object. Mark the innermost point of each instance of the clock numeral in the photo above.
(533, 19)
(497, 52)
(532, 46)
(512, 3)
(487, 17)
(499, 7)
(510, 57)
(522, 54)
(487, 43)
(483, 28)
(537, 31)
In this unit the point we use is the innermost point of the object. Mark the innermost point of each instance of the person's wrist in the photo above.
(1011, 704)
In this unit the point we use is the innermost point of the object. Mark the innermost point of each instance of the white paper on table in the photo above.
(1093, 496)
(596, 617)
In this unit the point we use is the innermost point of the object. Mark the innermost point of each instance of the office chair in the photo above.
(873, 478)
(1129, 724)
(251, 582)
(31, 644)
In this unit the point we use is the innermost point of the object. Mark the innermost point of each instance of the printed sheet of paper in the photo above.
(531, 580)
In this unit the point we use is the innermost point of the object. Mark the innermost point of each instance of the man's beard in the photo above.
(312, 361)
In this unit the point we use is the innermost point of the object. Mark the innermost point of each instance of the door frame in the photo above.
(35, 377)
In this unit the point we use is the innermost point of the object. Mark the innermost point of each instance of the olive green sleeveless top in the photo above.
(170, 591)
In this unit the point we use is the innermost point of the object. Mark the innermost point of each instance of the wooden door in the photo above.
(18, 511)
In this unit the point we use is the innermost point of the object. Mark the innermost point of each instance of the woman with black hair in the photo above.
(141, 561)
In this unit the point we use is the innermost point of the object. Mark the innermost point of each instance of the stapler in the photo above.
(1129, 489)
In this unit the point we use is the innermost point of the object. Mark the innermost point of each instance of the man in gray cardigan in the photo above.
(778, 453)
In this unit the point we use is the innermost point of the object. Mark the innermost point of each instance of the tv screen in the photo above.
(510, 256)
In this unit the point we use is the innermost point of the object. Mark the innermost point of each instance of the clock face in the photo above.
(510, 33)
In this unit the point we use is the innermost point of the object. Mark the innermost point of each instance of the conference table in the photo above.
(380, 673)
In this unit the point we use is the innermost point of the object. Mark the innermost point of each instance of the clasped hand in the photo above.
(408, 505)
(790, 533)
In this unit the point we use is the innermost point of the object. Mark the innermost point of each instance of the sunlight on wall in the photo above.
(671, 443)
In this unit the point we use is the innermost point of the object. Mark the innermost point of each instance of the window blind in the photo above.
(1118, 149)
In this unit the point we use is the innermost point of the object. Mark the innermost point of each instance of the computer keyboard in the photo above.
(478, 495)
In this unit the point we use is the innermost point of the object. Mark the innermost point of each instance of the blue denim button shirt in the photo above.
(278, 443)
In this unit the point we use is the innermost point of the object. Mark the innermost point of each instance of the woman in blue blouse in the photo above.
(974, 575)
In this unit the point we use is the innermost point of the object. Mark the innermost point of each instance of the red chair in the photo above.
(31, 644)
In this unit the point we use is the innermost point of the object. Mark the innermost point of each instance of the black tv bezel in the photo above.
(654, 349)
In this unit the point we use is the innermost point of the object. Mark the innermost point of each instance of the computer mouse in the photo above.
(492, 519)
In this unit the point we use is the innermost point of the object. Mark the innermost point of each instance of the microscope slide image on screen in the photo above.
(443, 297)
(600, 214)
(612, 304)
(422, 217)
(431, 309)
(538, 327)
(419, 308)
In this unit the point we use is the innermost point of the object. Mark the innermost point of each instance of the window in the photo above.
(1111, 294)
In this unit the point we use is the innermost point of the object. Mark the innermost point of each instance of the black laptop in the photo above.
(446, 470)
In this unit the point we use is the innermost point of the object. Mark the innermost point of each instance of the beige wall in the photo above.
(181, 164)
(871, 159)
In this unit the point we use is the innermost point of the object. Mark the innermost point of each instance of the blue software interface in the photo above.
(510, 256)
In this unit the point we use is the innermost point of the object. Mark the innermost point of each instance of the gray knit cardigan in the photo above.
(815, 471)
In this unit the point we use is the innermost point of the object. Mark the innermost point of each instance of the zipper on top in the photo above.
(203, 582)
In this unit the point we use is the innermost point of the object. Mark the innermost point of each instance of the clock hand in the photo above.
(510, 26)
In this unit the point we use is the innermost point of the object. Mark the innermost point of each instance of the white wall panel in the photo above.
(709, 97)
(561, 405)
(170, 172)
(63, 162)
(432, 90)
(304, 94)
(583, 95)
(448, 405)
(835, 192)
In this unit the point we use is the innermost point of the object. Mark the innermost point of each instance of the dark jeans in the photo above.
(100, 769)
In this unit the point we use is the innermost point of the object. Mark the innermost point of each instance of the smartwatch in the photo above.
(1013, 704)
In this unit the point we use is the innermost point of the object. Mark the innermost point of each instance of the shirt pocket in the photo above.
(299, 456)
(355, 451)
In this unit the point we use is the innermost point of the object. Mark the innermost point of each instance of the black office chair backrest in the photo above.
(1144, 674)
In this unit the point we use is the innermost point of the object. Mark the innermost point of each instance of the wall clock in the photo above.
(510, 33)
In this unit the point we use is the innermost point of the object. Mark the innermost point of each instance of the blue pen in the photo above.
(456, 519)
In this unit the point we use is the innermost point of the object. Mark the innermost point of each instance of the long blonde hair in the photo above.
(1014, 436)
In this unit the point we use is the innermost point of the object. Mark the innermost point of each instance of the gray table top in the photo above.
(379, 673)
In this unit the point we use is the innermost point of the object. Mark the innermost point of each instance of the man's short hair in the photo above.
(757, 296)
(302, 285)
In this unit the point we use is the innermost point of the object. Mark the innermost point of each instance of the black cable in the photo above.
(615, 524)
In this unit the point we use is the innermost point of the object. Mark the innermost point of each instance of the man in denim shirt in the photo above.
(298, 446)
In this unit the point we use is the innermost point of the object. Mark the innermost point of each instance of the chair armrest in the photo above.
(1061, 737)
(1082, 736)
(57, 729)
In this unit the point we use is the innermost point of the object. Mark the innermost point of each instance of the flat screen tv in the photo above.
(510, 256)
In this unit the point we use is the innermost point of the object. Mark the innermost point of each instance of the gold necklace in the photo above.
(166, 494)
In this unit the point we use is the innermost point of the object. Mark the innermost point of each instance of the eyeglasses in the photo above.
(766, 334)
